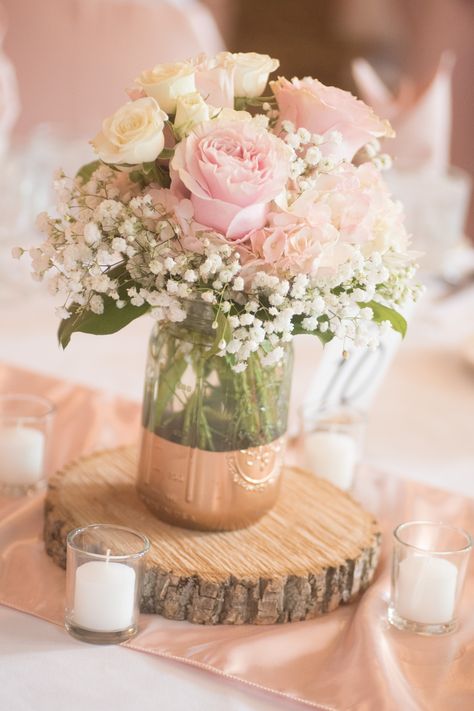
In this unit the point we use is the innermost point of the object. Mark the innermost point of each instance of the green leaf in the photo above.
(240, 103)
(110, 321)
(166, 154)
(298, 330)
(136, 176)
(149, 167)
(85, 173)
(156, 173)
(385, 313)
(168, 380)
(162, 176)
(325, 337)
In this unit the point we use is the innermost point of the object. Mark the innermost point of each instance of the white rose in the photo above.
(191, 109)
(134, 134)
(168, 81)
(251, 73)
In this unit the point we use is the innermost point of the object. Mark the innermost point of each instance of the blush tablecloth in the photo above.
(349, 659)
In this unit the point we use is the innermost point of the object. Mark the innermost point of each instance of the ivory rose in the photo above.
(134, 134)
(231, 171)
(166, 82)
(322, 109)
(191, 110)
(251, 73)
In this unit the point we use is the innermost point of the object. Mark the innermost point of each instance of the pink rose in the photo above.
(322, 109)
(231, 170)
(215, 80)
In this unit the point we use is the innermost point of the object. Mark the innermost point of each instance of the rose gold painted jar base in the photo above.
(209, 491)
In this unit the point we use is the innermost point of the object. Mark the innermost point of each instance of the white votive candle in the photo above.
(332, 456)
(426, 590)
(21, 455)
(104, 596)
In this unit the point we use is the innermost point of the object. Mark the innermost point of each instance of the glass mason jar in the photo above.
(213, 440)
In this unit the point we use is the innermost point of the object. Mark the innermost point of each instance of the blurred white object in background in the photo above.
(333, 442)
(9, 101)
(421, 119)
(351, 381)
(88, 48)
(26, 188)
(435, 195)
(435, 206)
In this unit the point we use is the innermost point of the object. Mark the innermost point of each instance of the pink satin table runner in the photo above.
(350, 659)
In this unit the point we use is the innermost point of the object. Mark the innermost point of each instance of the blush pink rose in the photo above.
(322, 109)
(231, 170)
(215, 80)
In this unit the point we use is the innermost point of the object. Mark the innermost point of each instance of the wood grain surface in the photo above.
(315, 550)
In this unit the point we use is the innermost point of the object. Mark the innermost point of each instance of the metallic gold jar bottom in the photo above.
(210, 491)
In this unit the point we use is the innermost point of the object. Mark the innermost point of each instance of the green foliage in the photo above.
(385, 313)
(142, 174)
(85, 173)
(298, 330)
(154, 173)
(110, 321)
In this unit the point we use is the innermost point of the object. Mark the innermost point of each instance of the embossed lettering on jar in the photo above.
(213, 440)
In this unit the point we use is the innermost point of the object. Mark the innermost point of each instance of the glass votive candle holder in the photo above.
(428, 570)
(25, 427)
(332, 442)
(104, 575)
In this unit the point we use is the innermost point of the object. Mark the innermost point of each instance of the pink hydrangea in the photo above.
(321, 228)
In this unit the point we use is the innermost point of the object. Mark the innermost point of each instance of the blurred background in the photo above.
(65, 65)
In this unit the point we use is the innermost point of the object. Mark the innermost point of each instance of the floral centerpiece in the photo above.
(237, 220)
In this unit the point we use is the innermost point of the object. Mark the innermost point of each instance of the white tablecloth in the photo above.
(421, 427)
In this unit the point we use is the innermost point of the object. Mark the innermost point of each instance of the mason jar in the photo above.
(213, 440)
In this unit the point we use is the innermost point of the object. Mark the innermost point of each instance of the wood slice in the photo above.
(315, 550)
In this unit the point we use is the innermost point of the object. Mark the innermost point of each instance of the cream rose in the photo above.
(134, 134)
(251, 72)
(168, 81)
(191, 110)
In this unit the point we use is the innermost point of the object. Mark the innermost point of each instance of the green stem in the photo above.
(262, 404)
